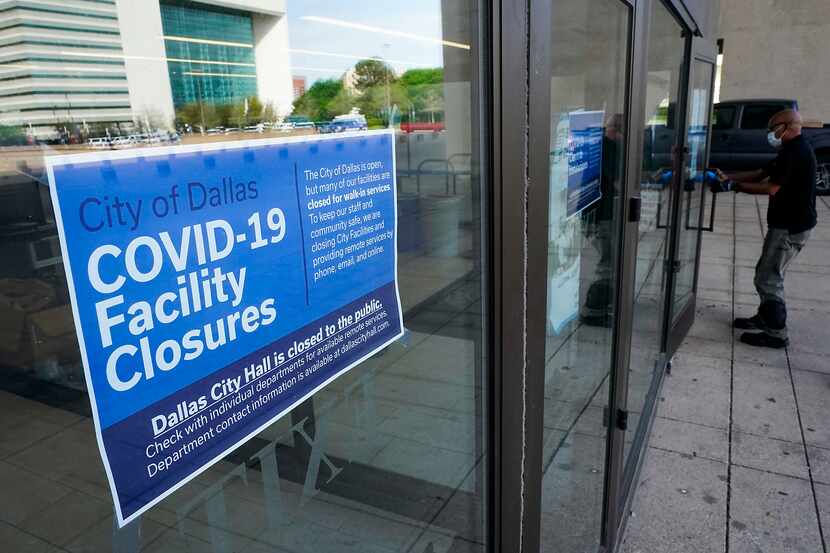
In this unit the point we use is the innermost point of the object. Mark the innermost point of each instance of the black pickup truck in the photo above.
(739, 137)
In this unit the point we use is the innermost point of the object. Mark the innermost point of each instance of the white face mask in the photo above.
(773, 140)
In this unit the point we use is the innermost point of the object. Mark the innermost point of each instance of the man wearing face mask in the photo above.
(790, 182)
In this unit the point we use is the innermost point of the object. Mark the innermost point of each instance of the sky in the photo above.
(326, 38)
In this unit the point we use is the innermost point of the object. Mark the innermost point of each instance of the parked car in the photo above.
(344, 123)
(739, 137)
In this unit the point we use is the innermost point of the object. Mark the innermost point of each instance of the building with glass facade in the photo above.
(210, 53)
(82, 62)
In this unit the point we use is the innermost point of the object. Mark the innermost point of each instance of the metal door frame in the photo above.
(678, 323)
(521, 64)
(621, 491)
(518, 325)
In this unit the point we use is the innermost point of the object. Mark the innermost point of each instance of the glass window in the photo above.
(691, 203)
(757, 116)
(724, 117)
(210, 54)
(389, 457)
(588, 138)
(666, 43)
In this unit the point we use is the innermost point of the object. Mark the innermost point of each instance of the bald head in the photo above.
(614, 127)
(786, 124)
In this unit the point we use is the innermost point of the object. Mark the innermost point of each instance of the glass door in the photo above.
(691, 188)
(665, 71)
(588, 137)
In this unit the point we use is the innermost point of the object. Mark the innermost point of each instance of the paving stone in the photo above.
(819, 464)
(105, 536)
(813, 390)
(25, 494)
(713, 324)
(64, 520)
(683, 390)
(769, 454)
(803, 361)
(715, 277)
(14, 540)
(809, 331)
(823, 502)
(763, 403)
(680, 506)
(690, 439)
(771, 513)
(762, 357)
(687, 358)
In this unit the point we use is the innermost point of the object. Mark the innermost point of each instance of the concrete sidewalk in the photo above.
(739, 456)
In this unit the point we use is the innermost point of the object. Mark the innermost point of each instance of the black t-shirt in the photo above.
(793, 207)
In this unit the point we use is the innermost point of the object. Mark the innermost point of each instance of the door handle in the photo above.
(711, 227)
(635, 208)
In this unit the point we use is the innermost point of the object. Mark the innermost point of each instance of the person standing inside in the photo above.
(790, 182)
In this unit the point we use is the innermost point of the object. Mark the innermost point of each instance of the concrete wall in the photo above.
(777, 48)
(150, 94)
(273, 70)
(706, 14)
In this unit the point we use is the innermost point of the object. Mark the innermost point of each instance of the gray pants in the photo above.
(780, 248)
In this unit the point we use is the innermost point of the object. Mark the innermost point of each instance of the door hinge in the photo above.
(622, 419)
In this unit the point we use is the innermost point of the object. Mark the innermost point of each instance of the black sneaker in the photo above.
(764, 340)
(752, 323)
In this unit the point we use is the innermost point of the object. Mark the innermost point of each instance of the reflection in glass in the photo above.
(387, 458)
(665, 60)
(588, 84)
(697, 138)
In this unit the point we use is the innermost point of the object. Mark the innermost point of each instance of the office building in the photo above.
(131, 62)
(62, 62)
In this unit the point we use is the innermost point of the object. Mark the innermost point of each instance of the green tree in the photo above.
(372, 73)
(419, 77)
(315, 103)
(255, 108)
(425, 90)
(190, 114)
(224, 114)
(238, 115)
(269, 113)
(343, 102)
(380, 100)
(199, 115)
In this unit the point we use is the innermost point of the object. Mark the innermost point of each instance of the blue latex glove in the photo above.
(707, 177)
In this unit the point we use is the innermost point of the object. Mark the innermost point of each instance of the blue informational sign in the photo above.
(584, 159)
(215, 287)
